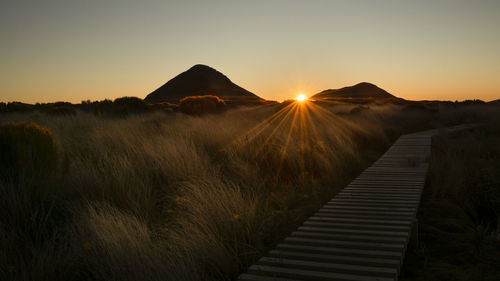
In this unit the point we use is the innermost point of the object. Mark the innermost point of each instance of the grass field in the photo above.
(171, 197)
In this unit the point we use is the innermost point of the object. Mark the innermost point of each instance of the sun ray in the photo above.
(250, 134)
(273, 132)
(318, 139)
(303, 142)
(285, 146)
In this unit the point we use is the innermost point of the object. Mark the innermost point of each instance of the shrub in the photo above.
(127, 105)
(198, 105)
(131, 102)
(26, 150)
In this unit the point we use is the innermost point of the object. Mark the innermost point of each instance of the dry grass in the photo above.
(174, 197)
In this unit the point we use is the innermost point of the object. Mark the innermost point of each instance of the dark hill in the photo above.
(359, 92)
(494, 102)
(201, 80)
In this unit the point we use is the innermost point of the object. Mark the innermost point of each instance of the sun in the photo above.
(301, 98)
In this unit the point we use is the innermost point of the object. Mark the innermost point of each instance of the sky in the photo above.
(69, 50)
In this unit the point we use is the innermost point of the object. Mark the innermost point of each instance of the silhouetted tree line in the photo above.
(120, 106)
(470, 102)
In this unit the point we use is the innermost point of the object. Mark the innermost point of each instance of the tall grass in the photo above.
(175, 197)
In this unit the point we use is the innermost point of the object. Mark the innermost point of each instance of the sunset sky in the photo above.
(77, 50)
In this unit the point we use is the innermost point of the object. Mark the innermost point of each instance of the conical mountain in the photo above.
(201, 80)
(362, 90)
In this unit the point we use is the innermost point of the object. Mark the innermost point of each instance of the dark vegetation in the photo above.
(27, 152)
(460, 213)
(119, 107)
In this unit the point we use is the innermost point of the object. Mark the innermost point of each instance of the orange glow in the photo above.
(301, 98)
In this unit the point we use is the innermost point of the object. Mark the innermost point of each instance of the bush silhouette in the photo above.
(27, 151)
(129, 105)
(197, 105)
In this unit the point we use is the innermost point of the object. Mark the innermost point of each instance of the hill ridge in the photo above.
(360, 90)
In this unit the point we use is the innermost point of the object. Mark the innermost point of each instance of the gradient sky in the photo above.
(76, 50)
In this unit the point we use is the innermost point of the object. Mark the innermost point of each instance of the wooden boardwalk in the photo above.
(363, 232)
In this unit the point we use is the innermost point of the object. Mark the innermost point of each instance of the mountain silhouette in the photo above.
(201, 80)
(362, 90)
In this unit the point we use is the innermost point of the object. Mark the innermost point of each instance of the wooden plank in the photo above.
(394, 255)
(370, 199)
(383, 189)
(359, 229)
(366, 192)
(371, 171)
(350, 237)
(370, 205)
(338, 218)
(386, 263)
(398, 201)
(368, 208)
(345, 244)
(408, 179)
(385, 183)
(375, 168)
(392, 190)
(329, 222)
(393, 195)
(310, 275)
(253, 277)
(330, 267)
(363, 195)
(400, 177)
(380, 214)
(368, 215)
(392, 178)
(319, 227)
